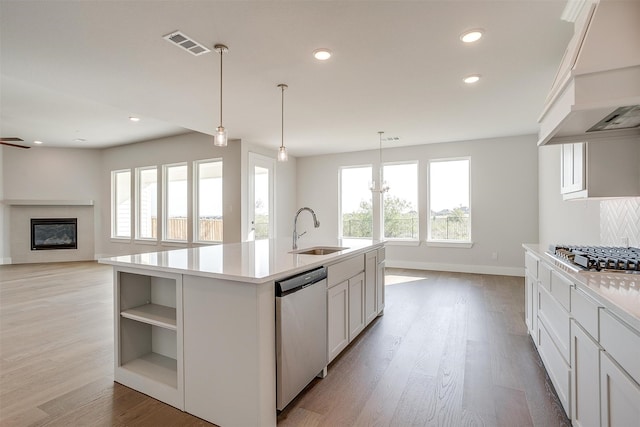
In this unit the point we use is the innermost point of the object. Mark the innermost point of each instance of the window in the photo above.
(175, 202)
(449, 200)
(121, 204)
(208, 200)
(147, 203)
(401, 201)
(356, 205)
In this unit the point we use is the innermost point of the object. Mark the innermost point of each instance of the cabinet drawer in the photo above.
(584, 310)
(557, 367)
(531, 265)
(561, 289)
(338, 273)
(621, 342)
(556, 321)
(544, 275)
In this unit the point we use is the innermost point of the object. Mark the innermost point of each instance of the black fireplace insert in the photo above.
(54, 233)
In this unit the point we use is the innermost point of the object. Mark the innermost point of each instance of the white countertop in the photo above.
(618, 292)
(254, 262)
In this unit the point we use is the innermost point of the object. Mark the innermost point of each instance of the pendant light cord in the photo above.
(221, 87)
(282, 128)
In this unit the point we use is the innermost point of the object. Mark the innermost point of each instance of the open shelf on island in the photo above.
(152, 365)
(153, 314)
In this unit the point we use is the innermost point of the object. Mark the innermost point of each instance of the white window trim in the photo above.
(196, 199)
(415, 240)
(340, 228)
(138, 238)
(165, 214)
(448, 243)
(114, 203)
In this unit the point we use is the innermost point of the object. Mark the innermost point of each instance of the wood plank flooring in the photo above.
(451, 350)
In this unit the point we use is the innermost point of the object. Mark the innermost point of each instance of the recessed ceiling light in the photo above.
(473, 78)
(471, 35)
(322, 54)
(37, 142)
(134, 119)
(79, 140)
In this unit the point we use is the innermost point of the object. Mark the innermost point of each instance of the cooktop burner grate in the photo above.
(599, 258)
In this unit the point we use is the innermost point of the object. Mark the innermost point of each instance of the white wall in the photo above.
(182, 148)
(42, 173)
(504, 191)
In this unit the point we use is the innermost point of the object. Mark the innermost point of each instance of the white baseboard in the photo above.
(456, 268)
(5, 260)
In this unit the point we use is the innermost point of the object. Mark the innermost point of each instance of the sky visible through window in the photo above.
(355, 188)
(449, 186)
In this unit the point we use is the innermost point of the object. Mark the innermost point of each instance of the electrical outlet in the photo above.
(494, 256)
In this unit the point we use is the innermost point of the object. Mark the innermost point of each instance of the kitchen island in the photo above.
(195, 328)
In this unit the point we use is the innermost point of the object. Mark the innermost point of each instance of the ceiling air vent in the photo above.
(391, 139)
(185, 42)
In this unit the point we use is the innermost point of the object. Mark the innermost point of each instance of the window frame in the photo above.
(138, 171)
(340, 213)
(114, 205)
(196, 198)
(417, 203)
(448, 242)
(165, 200)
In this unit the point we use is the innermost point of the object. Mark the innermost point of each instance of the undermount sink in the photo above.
(319, 250)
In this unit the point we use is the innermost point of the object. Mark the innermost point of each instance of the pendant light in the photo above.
(383, 184)
(220, 137)
(282, 152)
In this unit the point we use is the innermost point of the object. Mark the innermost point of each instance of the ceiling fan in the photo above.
(10, 142)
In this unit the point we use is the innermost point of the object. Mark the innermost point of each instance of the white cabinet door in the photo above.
(620, 395)
(528, 303)
(338, 319)
(572, 167)
(370, 272)
(380, 286)
(585, 378)
(356, 305)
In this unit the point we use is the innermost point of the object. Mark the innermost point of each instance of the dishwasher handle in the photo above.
(295, 283)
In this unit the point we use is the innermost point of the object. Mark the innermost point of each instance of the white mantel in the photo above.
(29, 202)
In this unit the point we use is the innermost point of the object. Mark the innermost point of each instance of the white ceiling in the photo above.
(79, 69)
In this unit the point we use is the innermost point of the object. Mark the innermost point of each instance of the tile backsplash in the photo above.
(620, 218)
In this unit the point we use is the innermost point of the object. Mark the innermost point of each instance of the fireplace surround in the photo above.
(54, 233)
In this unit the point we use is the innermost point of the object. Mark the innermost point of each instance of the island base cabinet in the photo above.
(229, 347)
(356, 305)
(148, 337)
(370, 272)
(620, 395)
(585, 368)
(338, 319)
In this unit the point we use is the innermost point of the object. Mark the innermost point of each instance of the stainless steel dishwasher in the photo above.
(301, 332)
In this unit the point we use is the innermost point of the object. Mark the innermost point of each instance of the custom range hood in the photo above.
(596, 91)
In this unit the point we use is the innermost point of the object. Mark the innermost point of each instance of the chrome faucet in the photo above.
(316, 224)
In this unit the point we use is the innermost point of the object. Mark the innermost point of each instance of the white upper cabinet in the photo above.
(600, 170)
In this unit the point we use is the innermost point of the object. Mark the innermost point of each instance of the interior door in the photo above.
(261, 188)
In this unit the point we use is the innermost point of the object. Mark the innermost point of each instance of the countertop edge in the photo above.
(319, 260)
(578, 279)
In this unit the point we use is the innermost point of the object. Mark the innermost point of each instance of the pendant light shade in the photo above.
(220, 137)
(283, 156)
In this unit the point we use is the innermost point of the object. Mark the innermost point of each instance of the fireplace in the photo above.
(54, 233)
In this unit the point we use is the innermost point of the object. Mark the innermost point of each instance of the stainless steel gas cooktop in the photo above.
(615, 259)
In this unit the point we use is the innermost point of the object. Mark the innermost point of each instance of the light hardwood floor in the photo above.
(451, 350)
